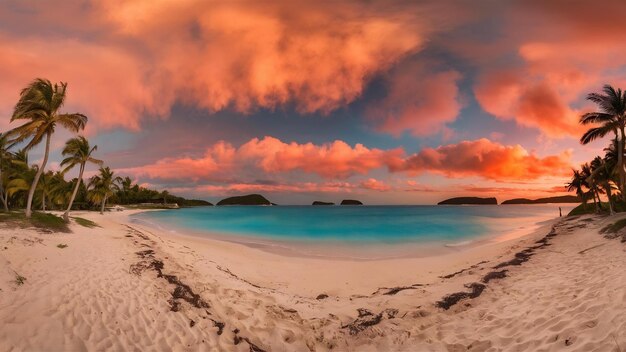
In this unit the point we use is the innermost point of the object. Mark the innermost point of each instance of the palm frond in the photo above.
(73, 122)
(595, 133)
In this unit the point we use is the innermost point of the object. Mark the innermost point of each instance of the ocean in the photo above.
(362, 227)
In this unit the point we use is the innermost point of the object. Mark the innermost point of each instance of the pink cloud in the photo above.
(486, 159)
(511, 95)
(139, 58)
(298, 187)
(336, 160)
(333, 160)
(418, 100)
(566, 50)
(375, 185)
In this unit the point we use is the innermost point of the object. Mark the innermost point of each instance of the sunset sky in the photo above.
(389, 102)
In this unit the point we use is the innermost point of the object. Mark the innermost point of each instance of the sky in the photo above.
(389, 102)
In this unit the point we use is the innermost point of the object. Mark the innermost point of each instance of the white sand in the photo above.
(84, 297)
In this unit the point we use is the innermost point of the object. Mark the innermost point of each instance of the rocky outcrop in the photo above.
(469, 200)
(250, 199)
(351, 202)
(559, 199)
(317, 202)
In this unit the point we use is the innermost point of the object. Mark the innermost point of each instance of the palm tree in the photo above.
(60, 191)
(602, 174)
(5, 160)
(19, 175)
(40, 102)
(44, 187)
(612, 118)
(585, 172)
(78, 152)
(124, 194)
(576, 184)
(103, 186)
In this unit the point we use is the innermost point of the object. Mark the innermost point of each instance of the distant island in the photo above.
(469, 200)
(317, 202)
(351, 202)
(249, 199)
(559, 199)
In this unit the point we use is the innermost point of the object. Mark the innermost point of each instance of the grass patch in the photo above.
(61, 245)
(19, 280)
(85, 222)
(615, 227)
(590, 208)
(41, 221)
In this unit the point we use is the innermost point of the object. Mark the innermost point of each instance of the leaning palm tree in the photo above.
(603, 175)
(585, 173)
(576, 184)
(103, 186)
(39, 103)
(19, 175)
(60, 190)
(43, 187)
(612, 119)
(5, 161)
(78, 152)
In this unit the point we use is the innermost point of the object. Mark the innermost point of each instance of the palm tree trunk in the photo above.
(620, 163)
(599, 200)
(608, 194)
(2, 195)
(31, 191)
(5, 200)
(595, 204)
(66, 215)
(104, 201)
(4, 203)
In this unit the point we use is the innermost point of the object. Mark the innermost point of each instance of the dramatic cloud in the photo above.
(361, 70)
(418, 101)
(375, 185)
(486, 159)
(238, 188)
(336, 160)
(566, 50)
(130, 59)
(510, 95)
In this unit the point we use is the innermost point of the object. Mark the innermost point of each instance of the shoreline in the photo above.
(360, 275)
(122, 286)
(347, 250)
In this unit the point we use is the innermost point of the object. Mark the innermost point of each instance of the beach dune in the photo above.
(123, 286)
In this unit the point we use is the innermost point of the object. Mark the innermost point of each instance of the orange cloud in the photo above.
(509, 95)
(486, 159)
(299, 187)
(138, 58)
(375, 185)
(418, 101)
(217, 160)
(566, 50)
(336, 160)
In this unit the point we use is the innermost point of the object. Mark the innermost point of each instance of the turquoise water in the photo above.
(355, 224)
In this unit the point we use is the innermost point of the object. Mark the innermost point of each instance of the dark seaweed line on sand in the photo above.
(181, 291)
(449, 276)
(477, 288)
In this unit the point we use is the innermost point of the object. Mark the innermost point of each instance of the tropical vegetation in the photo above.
(29, 187)
(605, 174)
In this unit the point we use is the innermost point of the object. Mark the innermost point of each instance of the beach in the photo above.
(126, 286)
